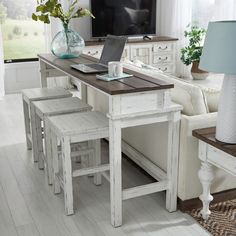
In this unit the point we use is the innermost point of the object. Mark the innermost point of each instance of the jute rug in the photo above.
(222, 221)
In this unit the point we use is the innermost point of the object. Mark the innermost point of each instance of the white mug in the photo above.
(115, 69)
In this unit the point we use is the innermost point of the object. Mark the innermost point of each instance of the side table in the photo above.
(212, 153)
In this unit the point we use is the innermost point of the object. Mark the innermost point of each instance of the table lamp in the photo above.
(219, 56)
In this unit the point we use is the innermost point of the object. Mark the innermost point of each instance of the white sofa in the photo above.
(151, 140)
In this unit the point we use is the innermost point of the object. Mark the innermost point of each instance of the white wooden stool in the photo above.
(37, 94)
(73, 128)
(46, 108)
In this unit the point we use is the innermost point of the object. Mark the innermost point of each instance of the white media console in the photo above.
(158, 52)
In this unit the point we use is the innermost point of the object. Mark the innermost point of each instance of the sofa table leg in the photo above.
(172, 164)
(115, 172)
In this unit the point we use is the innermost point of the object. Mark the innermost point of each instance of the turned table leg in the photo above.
(206, 176)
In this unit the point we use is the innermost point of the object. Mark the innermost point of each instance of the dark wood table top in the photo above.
(137, 83)
(207, 135)
(155, 39)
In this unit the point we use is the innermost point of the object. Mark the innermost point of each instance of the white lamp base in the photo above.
(226, 118)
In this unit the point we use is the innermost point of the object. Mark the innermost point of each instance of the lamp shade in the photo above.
(219, 50)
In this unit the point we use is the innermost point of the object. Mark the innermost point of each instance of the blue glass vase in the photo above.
(67, 44)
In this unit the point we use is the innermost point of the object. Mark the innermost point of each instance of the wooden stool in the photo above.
(72, 128)
(37, 94)
(41, 110)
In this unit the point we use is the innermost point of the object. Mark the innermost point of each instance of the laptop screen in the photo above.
(113, 49)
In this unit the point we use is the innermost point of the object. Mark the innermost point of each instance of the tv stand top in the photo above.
(134, 40)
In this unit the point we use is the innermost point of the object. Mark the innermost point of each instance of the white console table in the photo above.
(212, 153)
(139, 100)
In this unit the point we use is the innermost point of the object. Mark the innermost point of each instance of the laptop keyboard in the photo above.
(96, 66)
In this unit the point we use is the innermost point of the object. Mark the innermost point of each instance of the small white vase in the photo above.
(226, 118)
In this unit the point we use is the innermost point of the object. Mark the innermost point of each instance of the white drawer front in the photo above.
(163, 47)
(166, 68)
(93, 51)
(222, 160)
(162, 58)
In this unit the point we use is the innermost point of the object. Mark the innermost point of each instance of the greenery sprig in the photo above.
(53, 8)
(193, 51)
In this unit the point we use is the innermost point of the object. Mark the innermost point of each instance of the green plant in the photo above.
(53, 8)
(193, 51)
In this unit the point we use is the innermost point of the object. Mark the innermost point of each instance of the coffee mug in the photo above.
(115, 69)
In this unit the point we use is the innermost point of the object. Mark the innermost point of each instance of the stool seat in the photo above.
(93, 122)
(37, 94)
(60, 106)
(72, 128)
(43, 109)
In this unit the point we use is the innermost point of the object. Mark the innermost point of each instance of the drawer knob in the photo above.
(162, 48)
(95, 53)
(163, 69)
(162, 59)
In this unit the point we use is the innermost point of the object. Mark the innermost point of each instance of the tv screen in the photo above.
(123, 17)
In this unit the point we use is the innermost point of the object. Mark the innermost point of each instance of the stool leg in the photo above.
(90, 157)
(67, 175)
(39, 142)
(34, 133)
(97, 161)
(48, 152)
(27, 124)
(55, 156)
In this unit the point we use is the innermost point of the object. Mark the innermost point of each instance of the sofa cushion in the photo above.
(212, 97)
(188, 95)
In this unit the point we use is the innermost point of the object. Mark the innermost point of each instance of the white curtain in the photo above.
(224, 10)
(2, 92)
(174, 16)
(213, 10)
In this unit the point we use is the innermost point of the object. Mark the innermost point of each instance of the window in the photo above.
(23, 38)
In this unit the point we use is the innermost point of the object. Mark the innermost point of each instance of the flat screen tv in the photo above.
(123, 17)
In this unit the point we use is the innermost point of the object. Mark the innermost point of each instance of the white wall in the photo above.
(83, 25)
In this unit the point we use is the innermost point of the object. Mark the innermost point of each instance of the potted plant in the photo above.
(67, 43)
(192, 52)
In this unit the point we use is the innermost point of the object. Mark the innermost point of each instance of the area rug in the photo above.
(222, 221)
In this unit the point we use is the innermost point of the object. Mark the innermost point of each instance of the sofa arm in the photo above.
(191, 123)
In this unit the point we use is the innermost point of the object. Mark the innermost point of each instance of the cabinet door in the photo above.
(141, 52)
(126, 53)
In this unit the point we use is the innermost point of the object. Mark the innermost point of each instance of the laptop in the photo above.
(112, 51)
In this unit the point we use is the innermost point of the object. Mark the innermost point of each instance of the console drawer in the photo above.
(93, 51)
(162, 58)
(166, 68)
(163, 47)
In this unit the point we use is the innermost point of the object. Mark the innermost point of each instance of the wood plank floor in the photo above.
(29, 208)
